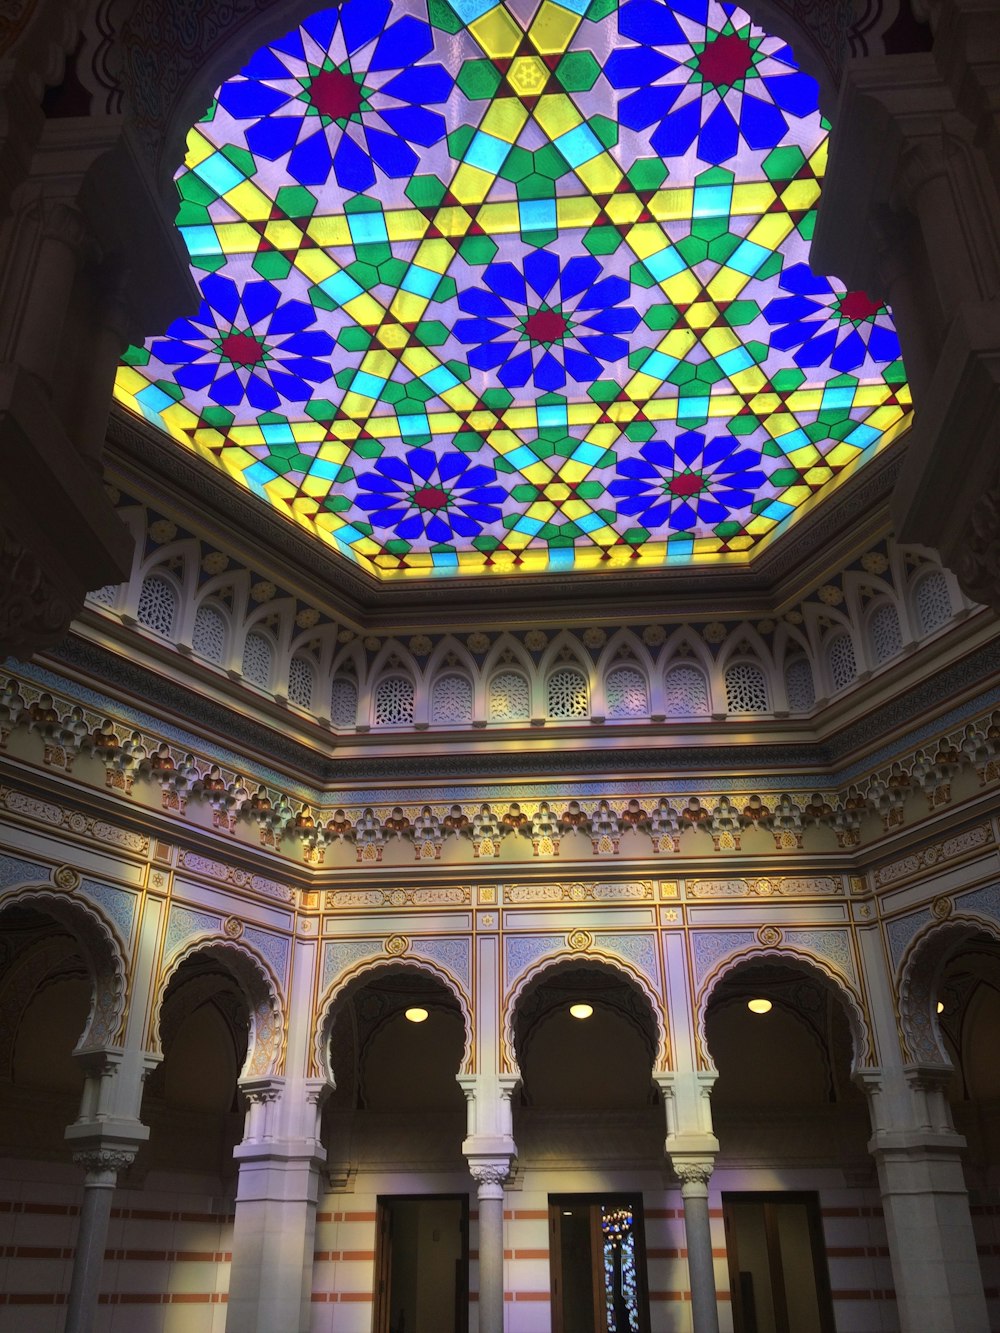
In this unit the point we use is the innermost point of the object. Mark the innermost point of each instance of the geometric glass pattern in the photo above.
(500, 287)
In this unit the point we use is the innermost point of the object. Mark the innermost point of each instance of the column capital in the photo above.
(491, 1174)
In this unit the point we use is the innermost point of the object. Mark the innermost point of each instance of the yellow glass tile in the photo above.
(795, 495)
(497, 33)
(672, 205)
(393, 335)
(701, 315)
(250, 202)
(749, 380)
(763, 403)
(576, 211)
(740, 543)
(246, 436)
(335, 451)
(209, 440)
(683, 287)
(574, 509)
(556, 491)
(624, 208)
(600, 174)
(556, 114)
(130, 380)
(604, 433)
(329, 231)
(450, 222)
(842, 454)
(574, 471)
(178, 416)
(552, 29)
(527, 75)
(805, 400)
(471, 185)
(752, 197)
(819, 159)
(364, 309)
(408, 307)
(239, 238)
(505, 119)
(405, 224)
(316, 265)
(800, 194)
(499, 219)
(758, 525)
(771, 230)
(817, 476)
(727, 285)
(646, 239)
(804, 457)
(198, 148)
(520, 418)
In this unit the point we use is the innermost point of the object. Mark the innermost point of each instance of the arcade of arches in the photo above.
(577, 909)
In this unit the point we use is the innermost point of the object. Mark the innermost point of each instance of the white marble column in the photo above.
(692, 1148)
(280, 1158)
(932, 1247)
(105, 1139)
(101, 1166)
(694, 1174)
(489, 1177)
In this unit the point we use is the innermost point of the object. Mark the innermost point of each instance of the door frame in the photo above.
(817, 1242)
(557, 1202)
(383, 1259)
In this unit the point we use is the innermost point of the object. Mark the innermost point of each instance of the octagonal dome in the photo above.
(520, 287)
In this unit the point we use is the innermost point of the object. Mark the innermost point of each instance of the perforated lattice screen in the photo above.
(884, 633)
(510, 697)
(393, 701)
(932, 601)
(209, 636)
(344, 702)
(799, 685)
(567, 694)
(301, 680)
(451, 700)
(626, 691)
(840, 660)
(258, 656)
(686, 692)
(746, 688)
(157, 606)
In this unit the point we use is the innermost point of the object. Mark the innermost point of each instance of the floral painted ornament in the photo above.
(346, 93)
(546, 323)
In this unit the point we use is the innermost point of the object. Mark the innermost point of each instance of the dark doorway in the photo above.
(777, 1264)
(422, 1264)
(598, 1264)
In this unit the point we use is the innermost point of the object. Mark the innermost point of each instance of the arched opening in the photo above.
(966, 1005)
(586, 1041)
(797, 1187)
(394, 1125)
(46, 992)
(191, 1101)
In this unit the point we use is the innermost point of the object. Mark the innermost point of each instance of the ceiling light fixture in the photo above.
(940, 1006)
(416, 1015)
(759, 1006)
(581, 1010)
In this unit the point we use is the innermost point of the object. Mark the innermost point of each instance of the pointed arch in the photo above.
(818, 969)
(574, 958)
(511, 689)
(345, 985)
(920, 969)
(637, 661)
(260, 991)
(437, 670)
(102, 951)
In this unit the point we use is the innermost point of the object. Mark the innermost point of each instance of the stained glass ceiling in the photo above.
(510, 287)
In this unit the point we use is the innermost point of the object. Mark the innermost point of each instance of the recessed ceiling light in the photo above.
(940, 1006)
(759, 1006)
(416, 1015)
(581, 1010)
